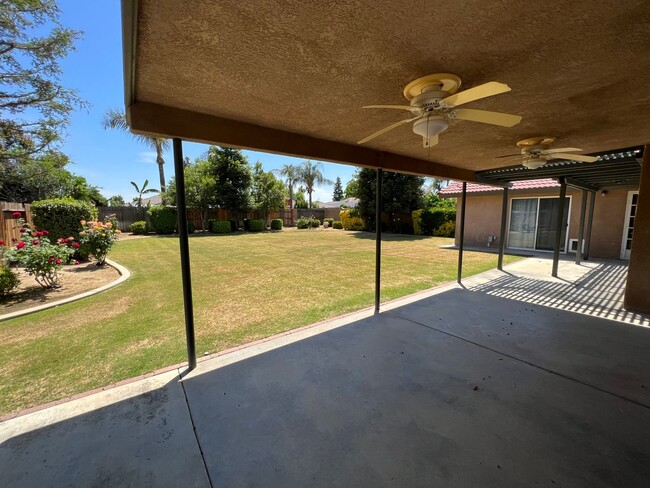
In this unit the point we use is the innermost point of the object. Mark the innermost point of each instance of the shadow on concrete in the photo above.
(458, 389)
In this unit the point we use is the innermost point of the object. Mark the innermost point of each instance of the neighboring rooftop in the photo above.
(456, 187)
(350, 202)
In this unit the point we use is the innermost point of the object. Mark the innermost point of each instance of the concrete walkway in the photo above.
(452, 387)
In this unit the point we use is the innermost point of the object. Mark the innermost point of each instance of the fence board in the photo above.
(8, 221)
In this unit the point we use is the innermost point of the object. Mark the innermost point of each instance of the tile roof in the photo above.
(456, 187)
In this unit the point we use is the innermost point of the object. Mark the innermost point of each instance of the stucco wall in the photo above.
(483, 218)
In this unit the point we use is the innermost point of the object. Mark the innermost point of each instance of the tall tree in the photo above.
(401, 194)
(115, 119)
(116, 201)
(301, 201)
(352, 187)
(233, 176)
(141, 191)
(291, 175)
(310, 175)
(200, 188)
(34, 106)
(268, 192)
(337, 194)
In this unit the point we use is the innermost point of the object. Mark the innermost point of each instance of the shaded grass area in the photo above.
(245, 287)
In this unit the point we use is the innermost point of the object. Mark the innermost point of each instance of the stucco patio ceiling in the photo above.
(300, 72)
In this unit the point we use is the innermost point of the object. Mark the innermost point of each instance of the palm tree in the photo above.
(115, 119)
(291, 175)
(310, 175)
(142, 190)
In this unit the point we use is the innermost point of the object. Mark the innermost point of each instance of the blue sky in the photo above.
(111, 159)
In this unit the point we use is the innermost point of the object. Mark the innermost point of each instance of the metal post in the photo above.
(183, 238)
(378, 209)
(461, 237)
(581, 229)
(559, 227)
(502, 234)
(590, 221)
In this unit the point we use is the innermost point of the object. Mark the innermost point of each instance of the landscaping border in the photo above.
(125, 274)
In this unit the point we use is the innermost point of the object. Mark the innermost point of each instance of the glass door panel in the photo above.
(547, 223)
(523, 217)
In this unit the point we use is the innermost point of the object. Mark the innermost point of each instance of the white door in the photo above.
(628, 227)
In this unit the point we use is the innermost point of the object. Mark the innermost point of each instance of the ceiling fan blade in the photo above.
(561, 150)
(476, 93)
(386, 129)
(398, 107)
(575, 157)
(494, 118)
(431, 141)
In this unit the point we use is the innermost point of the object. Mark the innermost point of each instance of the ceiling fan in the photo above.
(537, 152)
(433, 100)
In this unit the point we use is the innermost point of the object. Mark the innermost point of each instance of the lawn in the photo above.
(245, 287)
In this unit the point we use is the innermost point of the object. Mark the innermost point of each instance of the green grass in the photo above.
(245, 287)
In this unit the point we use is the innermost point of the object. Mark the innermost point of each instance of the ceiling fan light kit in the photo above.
(433, 100)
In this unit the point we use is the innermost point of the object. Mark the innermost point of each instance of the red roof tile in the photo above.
(456, 187)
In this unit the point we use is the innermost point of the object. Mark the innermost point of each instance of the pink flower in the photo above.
(2, 243)
(20, 245)
(45, 232)
(76, 262)
(50, 259)
(71, 238)
(35, 242)
(39, 234)
(58, 261)
(75, 245)
(22, 230)
(17, 214)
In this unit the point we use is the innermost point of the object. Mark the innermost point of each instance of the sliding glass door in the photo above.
(533, 223)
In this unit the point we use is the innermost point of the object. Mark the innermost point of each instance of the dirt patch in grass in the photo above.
(74, 280)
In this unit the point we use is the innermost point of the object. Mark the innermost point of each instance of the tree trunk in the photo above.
(161, 167)
(309, 198)
(204, 216)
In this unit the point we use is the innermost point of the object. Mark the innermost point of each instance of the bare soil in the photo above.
(74, 280)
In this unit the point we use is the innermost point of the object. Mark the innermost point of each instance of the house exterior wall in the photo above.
(483, 218)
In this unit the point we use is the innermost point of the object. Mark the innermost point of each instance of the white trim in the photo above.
(626, 227)
(568, 223)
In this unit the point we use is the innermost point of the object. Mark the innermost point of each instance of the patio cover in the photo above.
(291, 77)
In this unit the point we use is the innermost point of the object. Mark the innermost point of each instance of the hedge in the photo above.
(351, 223)
(315, 223)
(329, 221)
(429, 221)
(303, 223)
(163, 219)
(256, 225)
(276, 224)
(62, 217)
(337, 224)
(139, 227)
(219, 226)
(417, 222)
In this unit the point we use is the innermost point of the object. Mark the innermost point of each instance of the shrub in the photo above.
(99, 237)
(417, 222)
(61, 216)
(140, 227)
(303, 223)
(163, 219)
(276, 224)
(432, 218)
(329, 221)
(40, 258)
(256, 225)
(337, 224)
(351, 220)
(219, 226)
(315, 222)
(448, 229)
(191, 228)
(8, 281)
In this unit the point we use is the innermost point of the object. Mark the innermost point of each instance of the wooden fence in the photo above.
(8, 226)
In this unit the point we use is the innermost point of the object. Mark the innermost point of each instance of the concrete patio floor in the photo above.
(476, 386)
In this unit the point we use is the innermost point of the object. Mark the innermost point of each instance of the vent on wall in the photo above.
(573, 245)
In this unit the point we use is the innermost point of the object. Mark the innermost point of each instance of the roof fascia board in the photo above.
(129, 43)
(149, 118)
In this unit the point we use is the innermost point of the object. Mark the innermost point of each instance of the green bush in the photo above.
(315, 223)
(337, 224)
(351, 220)
(191, 228)
(329, 221)
(417, 222)
(432, 219)
(303, 223)
(8, 281)
(62, 217)
(276, 224)
(219, 226)
(256, 225)
(448, 229)
(139, 227)
(163, 219)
